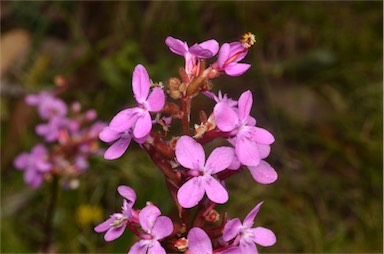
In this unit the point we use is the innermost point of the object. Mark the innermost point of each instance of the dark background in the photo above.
(316, 77)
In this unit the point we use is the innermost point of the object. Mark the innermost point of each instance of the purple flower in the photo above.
(156, 227)
(200, 243)
(229, 56)
(50, 131)
(247, 235)
(117, 223)
(190, 155)
(121, 142)
(241, 125)
(34, 164)
(206, 49)
(47, 104)
(139, 118)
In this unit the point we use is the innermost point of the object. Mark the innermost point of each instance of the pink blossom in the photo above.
(139, 118)
(190, 155)
(229, 56)
(116, 224)
(156, 227)
(206, 49)
(246, 235)
(47, 105)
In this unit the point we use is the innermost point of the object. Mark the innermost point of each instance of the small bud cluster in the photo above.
(71, 136)
(192, 179)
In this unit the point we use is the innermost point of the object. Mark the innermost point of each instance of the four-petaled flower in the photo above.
(34, 164)
(156, 227)
(246, 235)
(229, 56)
(117, 223)
(190, 155)
(139, 118)
(206, 49)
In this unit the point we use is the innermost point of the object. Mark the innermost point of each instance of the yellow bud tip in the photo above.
(248, 39)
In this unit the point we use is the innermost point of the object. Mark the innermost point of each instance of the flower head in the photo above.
(190, 155)
(229, 56)
(47, 104)
(246, 235)
(116, 224)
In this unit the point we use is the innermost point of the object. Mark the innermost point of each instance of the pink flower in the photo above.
(34, 164)
(47, 104)
(156, 227)
(246, 235)
(139, 118)
(116, 224)
(200, 243)
(190, 155)
(206, 49)
(229, 56)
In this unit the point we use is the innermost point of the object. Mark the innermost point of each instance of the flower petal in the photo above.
(189, 153)
(140, 83)
(223, 54)
(163, 227)
(236, 69)
(148, 216)
(263, 173)
(261, 135)
(156, 100)
(211, 45)
(21, 161)
(104, 226)
(139, 248)
(108, 135)
(264, 150)
(176, 46)
(156, 248)
(250, 218)
(248, 247)
(124, 120)
(263, 236)
(127, 192)
(215, 191)
(191, 192)
(231, 229)
(117, 149)
(226, 118)
(199, 241)
(114, 233)
(245, 105)
(143, 126)
(247, 151)
(219, 159)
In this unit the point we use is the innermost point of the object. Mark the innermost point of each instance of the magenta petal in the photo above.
(263, 173)
(245, 105)
(215, 191)
(249, 220)
(200, 52)
(231, 229)
(21, 161)
(108, 135)
(43, 166)
(33, 178)
(104, 226)
(199, 241)
(124, 120)
(223, 55)
(143, 126)
(211, 45)
(156, 100)
(247, 151)
(236, 69)
(138, 248)
(156, 248)
(163, 227)
(263, 236)
(219, 159)
(140, 83)
(114, 233)
(148, 216)
(117, 149)
(127, 192)
(262, 136)
(264, 150)
(176, 46)
(248, 247)
(191, 192)
(189, 153)
(226, 117)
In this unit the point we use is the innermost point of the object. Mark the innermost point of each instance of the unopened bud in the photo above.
(212, 216)
(173, 86)
(181, 244)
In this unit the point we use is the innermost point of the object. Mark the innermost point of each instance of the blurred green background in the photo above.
(316, 77)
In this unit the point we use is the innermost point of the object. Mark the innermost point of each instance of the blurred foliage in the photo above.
(317, 82)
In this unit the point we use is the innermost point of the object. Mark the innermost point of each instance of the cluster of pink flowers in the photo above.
(192, 179)
(70, 138)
